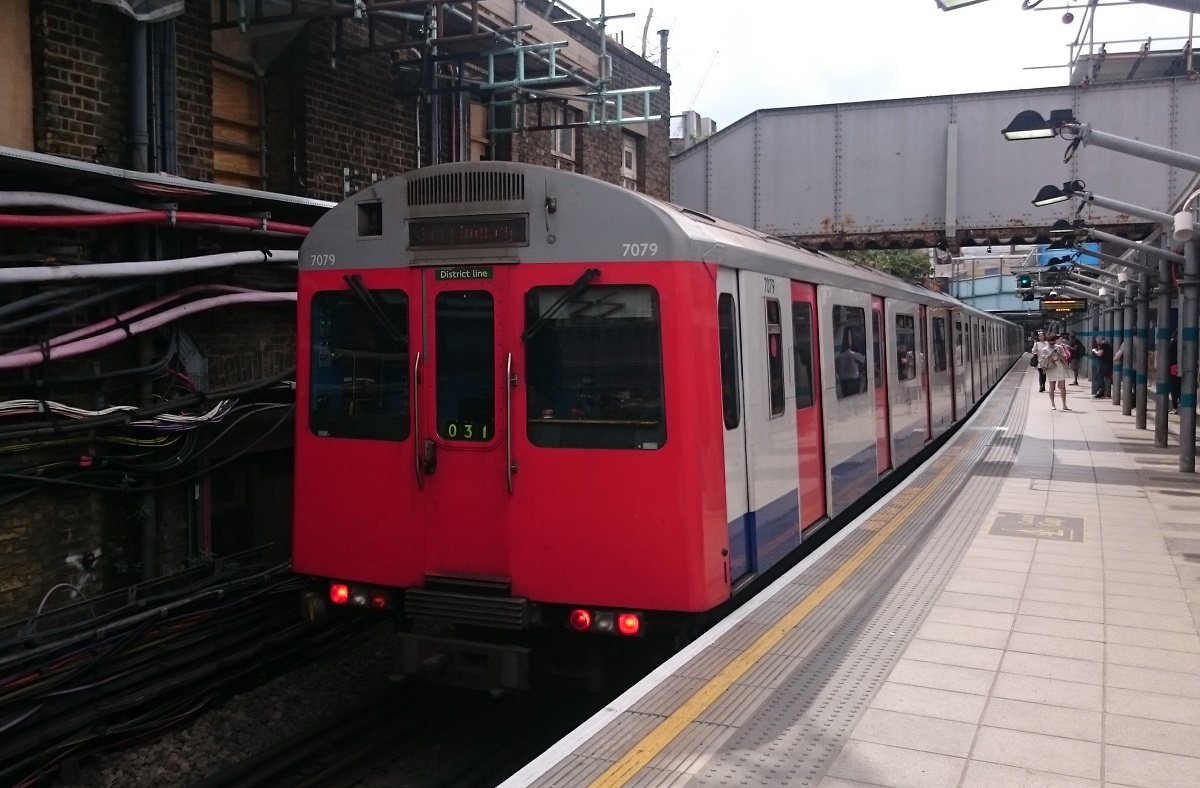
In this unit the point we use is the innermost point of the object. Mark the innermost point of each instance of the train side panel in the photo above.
(848, 403)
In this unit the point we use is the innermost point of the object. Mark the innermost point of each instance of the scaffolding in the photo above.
(506, 55)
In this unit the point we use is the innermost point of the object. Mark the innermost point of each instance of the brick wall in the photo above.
(351, 119)
(80, 80)
(193, 92)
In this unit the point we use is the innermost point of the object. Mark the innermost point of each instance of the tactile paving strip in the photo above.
(797, 733)
(784, 721)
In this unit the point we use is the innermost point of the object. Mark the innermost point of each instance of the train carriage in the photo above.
(535, 404)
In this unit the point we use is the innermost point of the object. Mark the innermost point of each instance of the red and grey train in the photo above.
(536, 404)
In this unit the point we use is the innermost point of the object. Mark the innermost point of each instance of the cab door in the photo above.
(463, 379)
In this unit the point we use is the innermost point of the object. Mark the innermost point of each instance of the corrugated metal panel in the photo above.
(877, 170)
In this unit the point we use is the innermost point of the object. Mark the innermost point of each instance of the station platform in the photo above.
(1022, 611)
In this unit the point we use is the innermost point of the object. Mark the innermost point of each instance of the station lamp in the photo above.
(950, 5)
(1050, 194)
(1030, 125)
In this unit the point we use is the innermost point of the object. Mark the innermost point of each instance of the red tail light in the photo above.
(379, 600)
(339, 593)
(580, 620)
(629, 623)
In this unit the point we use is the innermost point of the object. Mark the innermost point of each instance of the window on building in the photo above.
(939, 344)
(849, 348)
(237, 128)
(562, 141)
(359, 373)
(478, 134)
(594, 369)
(629, 161)
(727, 341)
(906, 347)
(802, 337)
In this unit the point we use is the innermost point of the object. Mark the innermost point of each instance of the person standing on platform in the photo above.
(1053, 359)
(1039, 346)
(1077, 350)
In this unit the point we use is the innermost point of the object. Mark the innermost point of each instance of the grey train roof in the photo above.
(571, 217)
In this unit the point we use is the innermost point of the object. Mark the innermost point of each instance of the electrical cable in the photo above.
(47, 315)
(147, 268)
(29, 302)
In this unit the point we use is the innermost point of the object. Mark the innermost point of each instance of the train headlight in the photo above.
(605, 622)
(359, 597)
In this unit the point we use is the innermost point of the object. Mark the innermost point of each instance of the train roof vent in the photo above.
(459, 187)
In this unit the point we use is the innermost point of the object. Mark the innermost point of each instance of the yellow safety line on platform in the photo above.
(656, 740)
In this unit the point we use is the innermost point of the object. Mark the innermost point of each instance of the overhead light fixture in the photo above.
(1049, 195)
(1030, 125)
(1061, 227)
(951, 5)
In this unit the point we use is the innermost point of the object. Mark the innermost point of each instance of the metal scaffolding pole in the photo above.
(1140, 350)
(1162, 341)
(1127, 358)
(1189, 317)
(1109, 314)
(1118, 317)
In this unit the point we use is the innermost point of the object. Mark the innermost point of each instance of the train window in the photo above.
(876, 339)
(958, 343)
(359, 371)
(850, 344)
(802, 337)
(939, 344)
(727, 342)
(465, 358)
(775, 355)
(594, 370)
(906, 347)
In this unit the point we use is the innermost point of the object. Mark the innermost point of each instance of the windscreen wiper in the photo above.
(371, 302)
(585, 279)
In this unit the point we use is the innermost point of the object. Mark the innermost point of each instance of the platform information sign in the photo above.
(1061, 305)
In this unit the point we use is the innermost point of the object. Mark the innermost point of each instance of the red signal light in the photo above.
(339, 593)
(629, 623)
(580, 620)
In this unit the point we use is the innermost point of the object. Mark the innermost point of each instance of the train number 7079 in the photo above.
(639, 250)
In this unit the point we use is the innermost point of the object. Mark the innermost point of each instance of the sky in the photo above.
(728, 58)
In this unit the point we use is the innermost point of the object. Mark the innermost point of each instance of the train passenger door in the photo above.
(737, 502)
(809, 429)
(771, 454)
(923, 341)
(462, 371)
(883, 429)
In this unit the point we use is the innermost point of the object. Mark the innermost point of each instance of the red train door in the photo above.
(462, 396)
(808, 403)
(883, 427)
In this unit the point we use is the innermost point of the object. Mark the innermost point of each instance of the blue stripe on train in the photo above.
(852, 478)
(768, 534)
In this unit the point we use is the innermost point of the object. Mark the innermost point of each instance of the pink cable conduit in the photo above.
(117, 320)
(102, 340)
(30, 222)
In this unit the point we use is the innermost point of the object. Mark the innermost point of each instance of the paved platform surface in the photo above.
(1024, 613)
(1063, 651)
